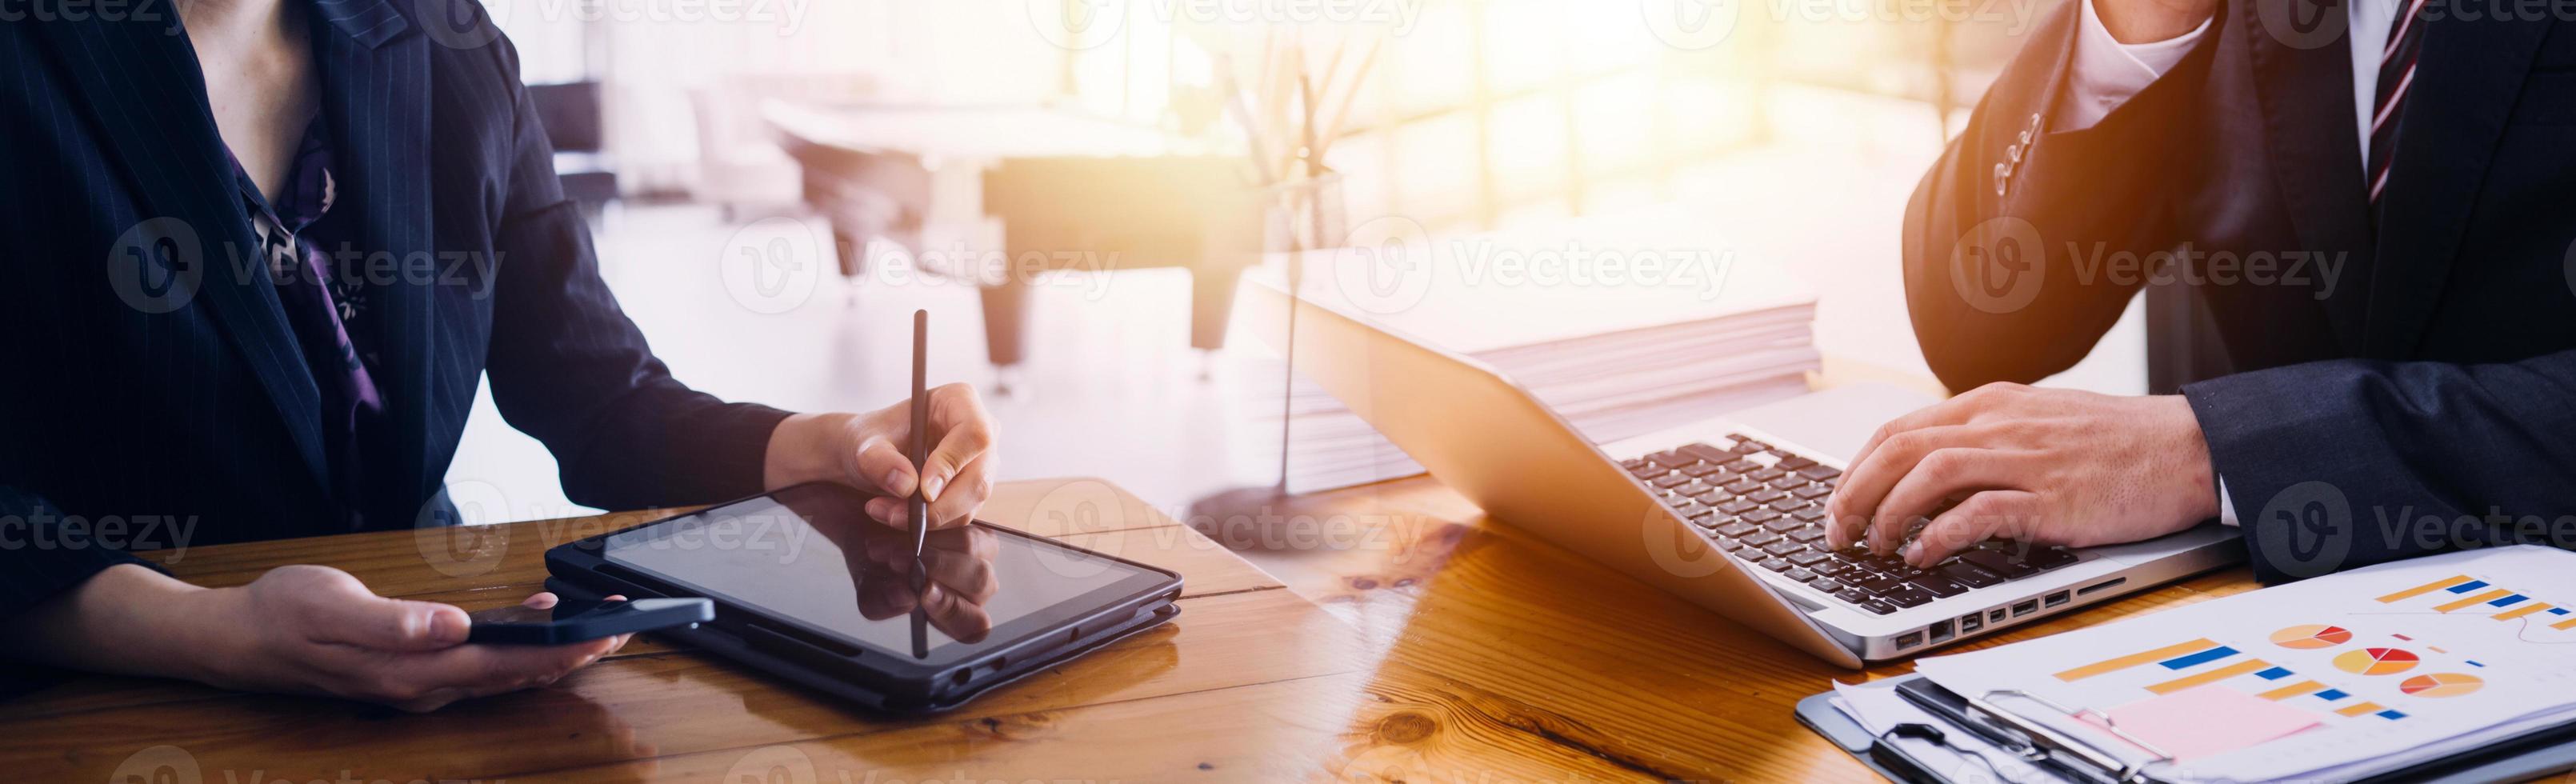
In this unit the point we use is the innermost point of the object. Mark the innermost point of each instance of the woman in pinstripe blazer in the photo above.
(254, 257)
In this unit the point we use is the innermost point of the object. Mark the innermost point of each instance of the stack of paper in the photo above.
(2336, 678)
(1623, 325)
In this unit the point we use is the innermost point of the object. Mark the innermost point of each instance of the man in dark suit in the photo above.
(254, 257)
(2374, 201)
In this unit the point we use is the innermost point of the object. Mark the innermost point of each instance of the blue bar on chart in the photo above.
(2196, 659)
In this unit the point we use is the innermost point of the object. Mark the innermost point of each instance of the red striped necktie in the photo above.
(2396, 75)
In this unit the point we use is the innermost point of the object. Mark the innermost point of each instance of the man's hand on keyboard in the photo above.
(2045, 466)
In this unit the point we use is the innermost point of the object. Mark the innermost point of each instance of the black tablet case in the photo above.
(894, 688)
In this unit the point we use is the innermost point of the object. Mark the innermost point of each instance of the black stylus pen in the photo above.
(918, 507)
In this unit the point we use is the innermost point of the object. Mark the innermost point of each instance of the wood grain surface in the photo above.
(1398, 636)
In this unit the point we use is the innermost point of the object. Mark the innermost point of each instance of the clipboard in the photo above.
(2535, 754)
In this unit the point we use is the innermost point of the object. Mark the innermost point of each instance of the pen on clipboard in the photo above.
(917, 513)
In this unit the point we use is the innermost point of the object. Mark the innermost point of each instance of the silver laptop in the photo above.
(1725, 512)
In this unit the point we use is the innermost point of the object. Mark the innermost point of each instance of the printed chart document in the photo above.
(2359, 672)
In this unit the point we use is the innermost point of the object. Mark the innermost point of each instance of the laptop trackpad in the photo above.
(1833, 422)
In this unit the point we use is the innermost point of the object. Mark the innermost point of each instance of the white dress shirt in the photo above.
(2106, 73)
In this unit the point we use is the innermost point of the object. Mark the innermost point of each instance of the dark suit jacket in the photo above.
(138, 402)
(2362, 418)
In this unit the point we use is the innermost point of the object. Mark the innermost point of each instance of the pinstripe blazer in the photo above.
(156, 396)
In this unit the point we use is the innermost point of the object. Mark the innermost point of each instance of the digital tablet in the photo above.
(809, 588)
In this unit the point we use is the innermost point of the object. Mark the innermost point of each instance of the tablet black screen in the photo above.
(811, 554)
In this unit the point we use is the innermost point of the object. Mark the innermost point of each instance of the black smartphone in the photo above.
(572, 621)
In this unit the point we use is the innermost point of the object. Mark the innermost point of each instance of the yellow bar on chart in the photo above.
(2479, 598)
(2293, 690)
(2135, 659)
(2566, 624)
(2363, 709)
(2423, 589)
(2212, 676)
(2526, 609)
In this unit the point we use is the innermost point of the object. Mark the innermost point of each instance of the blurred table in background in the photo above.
(1068, 191)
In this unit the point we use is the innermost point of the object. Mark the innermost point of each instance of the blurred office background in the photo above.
(765, 174)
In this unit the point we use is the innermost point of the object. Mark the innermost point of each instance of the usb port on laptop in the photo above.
(2025, 608)
(2056, 599)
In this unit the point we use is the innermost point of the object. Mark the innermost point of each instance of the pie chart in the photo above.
(2314, 635)
(2376, 661)
(2441, 684)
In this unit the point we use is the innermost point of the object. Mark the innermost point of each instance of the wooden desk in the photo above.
(1444, 648)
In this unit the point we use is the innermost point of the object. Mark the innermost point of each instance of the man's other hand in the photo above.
(2046, 466)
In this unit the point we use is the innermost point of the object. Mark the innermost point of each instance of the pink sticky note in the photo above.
(2206, 720)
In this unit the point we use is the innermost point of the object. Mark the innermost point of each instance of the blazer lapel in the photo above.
(2466, 80)
(2306, 101)
(376, 104)
(146, 95)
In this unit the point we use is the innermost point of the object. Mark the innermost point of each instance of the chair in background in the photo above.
(741, 167)
(571, 115)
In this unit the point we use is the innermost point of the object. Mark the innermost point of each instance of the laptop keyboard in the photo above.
(1767, 506)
